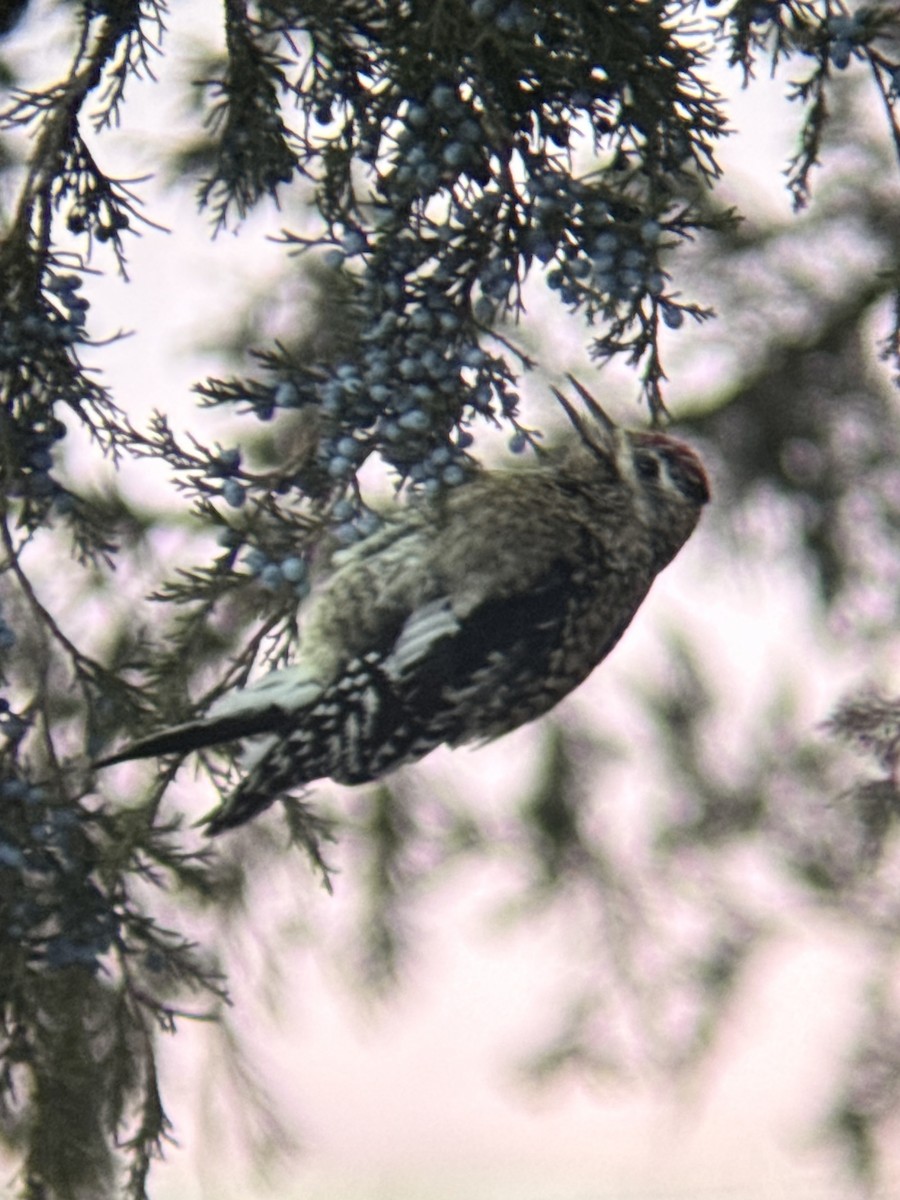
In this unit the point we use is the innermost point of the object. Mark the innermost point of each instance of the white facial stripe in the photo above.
(624, 455)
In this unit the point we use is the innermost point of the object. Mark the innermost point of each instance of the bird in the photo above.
(462, 617)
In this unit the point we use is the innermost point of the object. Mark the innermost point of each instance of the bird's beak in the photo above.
(601, 434)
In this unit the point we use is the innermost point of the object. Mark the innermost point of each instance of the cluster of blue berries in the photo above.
(33, 440)
(353, 522)
(604, 256)
(226, 466)
(417, 376)
(421, 372)
(442, 137)
(403, 395)
(34, 345)
(472, 181)
(842, 34)
(275, 573)
(422, 362)
(55, 915)
(66, 288)
(51, 326)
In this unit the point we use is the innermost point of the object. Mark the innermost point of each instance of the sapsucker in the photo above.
(462, 617)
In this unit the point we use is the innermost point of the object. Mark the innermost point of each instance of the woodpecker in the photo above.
(462, 617)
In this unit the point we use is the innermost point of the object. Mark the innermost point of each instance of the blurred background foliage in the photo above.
(119, 922)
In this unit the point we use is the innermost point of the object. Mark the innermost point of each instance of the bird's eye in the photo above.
(689, 477)
(647, 466)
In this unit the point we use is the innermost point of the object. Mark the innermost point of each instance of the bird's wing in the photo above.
(442, 656)
(431, 624)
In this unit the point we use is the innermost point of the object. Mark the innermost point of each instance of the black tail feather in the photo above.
(195, 735)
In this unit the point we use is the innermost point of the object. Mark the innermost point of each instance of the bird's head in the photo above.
(649, 460)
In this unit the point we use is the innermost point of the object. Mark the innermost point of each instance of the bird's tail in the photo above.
(195, 735)
(268, 706)
(272, 706)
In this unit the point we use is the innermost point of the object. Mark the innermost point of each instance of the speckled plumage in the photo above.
(462, 617)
